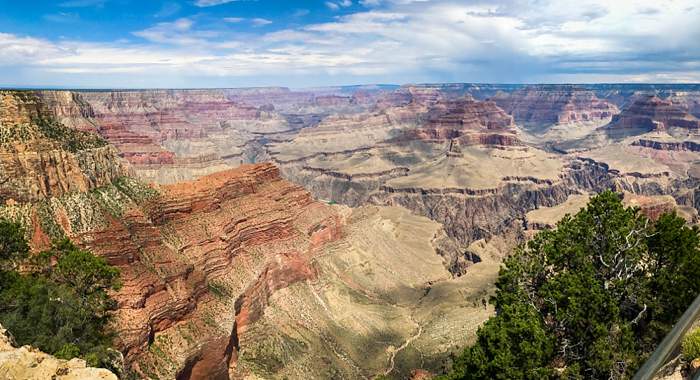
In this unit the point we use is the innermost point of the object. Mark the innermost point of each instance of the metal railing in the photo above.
(670, 344)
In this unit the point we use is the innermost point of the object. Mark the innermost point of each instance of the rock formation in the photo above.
(651, 113)
(467, 121)
(238, 273)
(40, 158)
(202, 262)
(544, 105)
(28, 363)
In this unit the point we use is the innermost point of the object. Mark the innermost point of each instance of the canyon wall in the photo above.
(554, 105)
(203, 262)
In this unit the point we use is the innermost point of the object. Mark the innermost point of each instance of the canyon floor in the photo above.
(342, 232)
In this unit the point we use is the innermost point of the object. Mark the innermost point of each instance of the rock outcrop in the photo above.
(651, 113)
(557, 104)
(691, 146)
(468, 121)
(186, 252)
(28, 363)
(41, 158)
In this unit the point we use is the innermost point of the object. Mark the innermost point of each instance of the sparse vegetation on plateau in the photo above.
(71, 139)
(589, 299)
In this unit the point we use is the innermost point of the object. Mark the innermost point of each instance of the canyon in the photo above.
(340, 232)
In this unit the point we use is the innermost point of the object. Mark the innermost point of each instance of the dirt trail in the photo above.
(403, 346)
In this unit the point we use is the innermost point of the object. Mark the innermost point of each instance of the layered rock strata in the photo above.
(469, 122)
(651, 113)
(40, 158)
(555, 105)
(186, 252)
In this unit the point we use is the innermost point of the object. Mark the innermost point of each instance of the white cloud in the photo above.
(397, 41)
(260, 21)
(336, 5)
(370, 3)
(211, 3)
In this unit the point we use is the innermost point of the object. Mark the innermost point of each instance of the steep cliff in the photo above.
(40, 157)
(186, 252)
(651, 113)
(554, 105)
(467, 121)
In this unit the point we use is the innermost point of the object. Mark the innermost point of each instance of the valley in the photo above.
(338, 232)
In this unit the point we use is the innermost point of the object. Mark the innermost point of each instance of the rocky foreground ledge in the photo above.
(28, 363)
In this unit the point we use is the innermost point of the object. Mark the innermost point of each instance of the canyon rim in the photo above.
(347, 189)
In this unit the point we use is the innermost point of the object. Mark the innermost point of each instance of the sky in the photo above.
(305, 43)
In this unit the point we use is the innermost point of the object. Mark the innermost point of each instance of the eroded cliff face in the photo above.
(467, 121)
(555, 105)
(169, 135)
(455, 160)
(651, 113)
(186, 253)
(40, 158)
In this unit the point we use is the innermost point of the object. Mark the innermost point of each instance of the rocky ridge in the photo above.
(651, 113)
(41, 158)
(554, 105)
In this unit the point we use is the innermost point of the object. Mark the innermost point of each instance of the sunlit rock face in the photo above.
(40, 160)
(28, 363)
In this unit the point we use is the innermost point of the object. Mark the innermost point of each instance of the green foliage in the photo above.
(63, 309)
(138, 191)
(70, 139)
(589, 299)
(690, 347)
(513, 345)
(13, 246)
(81, 270)
(68, 351)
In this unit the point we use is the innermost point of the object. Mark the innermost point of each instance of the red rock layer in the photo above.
(137, 122)
(247, 223)
(652, 113)
(559, 104)
(18, 107)
(469, 121)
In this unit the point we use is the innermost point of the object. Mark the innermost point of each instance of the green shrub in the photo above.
(690, 347)
(13, 246)
(68, 351)
(62, 309)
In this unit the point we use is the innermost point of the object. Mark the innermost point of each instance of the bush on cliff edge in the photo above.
(589, 299)
(63, 307)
